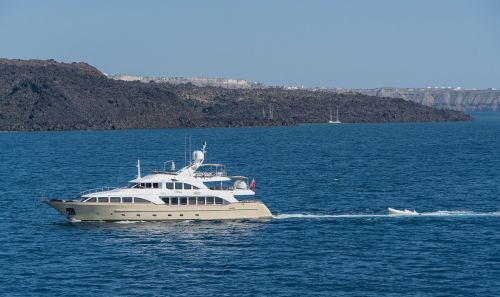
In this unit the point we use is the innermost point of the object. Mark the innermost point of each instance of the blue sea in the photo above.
(329, 187)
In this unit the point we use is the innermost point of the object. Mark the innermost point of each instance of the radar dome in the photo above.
(198, 156)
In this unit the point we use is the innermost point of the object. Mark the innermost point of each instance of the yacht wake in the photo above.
(324, 216)
(460, 213)
(439, 213)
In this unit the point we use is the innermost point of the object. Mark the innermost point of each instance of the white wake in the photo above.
(439, 213)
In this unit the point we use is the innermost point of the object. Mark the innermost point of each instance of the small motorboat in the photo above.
(406, 212)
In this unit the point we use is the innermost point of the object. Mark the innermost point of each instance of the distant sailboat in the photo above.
(331, 118)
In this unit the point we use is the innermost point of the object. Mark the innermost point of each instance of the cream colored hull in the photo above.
(78, 211)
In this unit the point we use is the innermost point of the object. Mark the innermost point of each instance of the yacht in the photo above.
(198, 191)
(337, 121)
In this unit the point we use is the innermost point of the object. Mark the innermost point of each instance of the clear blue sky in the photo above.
(312, 43)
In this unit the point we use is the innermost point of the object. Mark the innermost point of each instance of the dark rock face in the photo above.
(47, 95)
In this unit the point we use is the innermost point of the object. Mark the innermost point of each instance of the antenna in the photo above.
(185, 144)
(190, 159)
(138, 168)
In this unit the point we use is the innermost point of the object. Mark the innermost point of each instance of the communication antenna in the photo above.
(138, 168)
(185, 144)
(190, 159)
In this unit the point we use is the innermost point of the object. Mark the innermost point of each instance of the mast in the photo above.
(337, 113)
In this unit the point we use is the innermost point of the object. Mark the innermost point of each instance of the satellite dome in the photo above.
(198, 156)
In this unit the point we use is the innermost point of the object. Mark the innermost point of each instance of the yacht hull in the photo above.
(78, 211)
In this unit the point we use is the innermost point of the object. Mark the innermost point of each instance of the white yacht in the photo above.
(337, 121)
(196, 192)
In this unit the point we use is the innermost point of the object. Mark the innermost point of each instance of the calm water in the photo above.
(329, 187)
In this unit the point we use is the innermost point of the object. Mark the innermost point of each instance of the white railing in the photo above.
(95, 190)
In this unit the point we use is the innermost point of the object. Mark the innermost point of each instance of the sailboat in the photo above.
(337, 121)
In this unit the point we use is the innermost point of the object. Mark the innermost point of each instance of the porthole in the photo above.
(169, 214)
(154, 215)
(197, 215)
(123, 214)
(138, 215)
(181, 215)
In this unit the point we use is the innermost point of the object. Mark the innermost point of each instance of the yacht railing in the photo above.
(209, 174)
(95, 190)
(250, 201)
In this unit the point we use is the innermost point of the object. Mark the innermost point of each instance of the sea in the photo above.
(328, 187)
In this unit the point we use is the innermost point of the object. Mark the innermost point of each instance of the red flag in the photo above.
(252, 184)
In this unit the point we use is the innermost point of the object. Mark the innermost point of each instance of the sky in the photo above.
(350, 44)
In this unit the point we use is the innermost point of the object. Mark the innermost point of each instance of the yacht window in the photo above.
(183, 200)
(187, 187)
(166, 200)
(192, 200)
(174, 201)
(140, 200)
(169, 186)
(218, 200)
(148, 186)
(178, 186)
(201, 200)
(132, 186)
(210, 200)
(126, 199)
(91, 200)
(155, 185)
(114, 199)
(195, 188)
(142, 185)
(103, 199)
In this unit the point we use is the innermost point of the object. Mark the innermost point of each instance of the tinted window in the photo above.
(126, 199)
(140, 200)
(218, 200)
(174, 201)
(192, 200)
(166, 200)
(114, 199)
(155, 185)
(210, 200)
(142, 185)
(148, 185)
(169, 186)
(178, 186)
(187, 187)
(102, 199)
(201, 200)
(195, 188)
(183, 200)
(91, 200)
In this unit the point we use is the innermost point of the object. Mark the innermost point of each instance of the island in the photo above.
(42, 95)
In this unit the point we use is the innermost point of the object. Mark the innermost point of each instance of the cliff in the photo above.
(48, 95)
(446, 98)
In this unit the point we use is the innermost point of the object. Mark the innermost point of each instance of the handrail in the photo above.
(209, 174)
(95, 190)
(249, 201)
